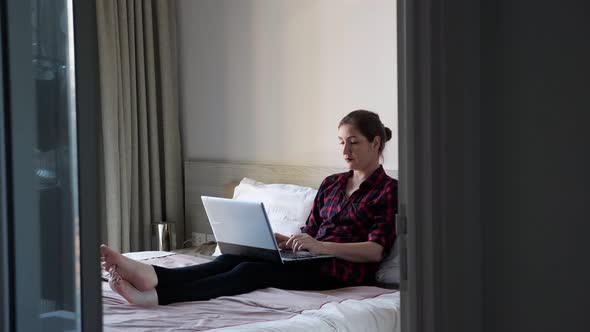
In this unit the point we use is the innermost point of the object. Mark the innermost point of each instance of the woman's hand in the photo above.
(304, 241)
(282, 241)
(360, 252)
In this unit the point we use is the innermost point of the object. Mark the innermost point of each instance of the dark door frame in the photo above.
(87, 113)
(439, 128)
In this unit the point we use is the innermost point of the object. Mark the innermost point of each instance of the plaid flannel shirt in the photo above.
(368, 215)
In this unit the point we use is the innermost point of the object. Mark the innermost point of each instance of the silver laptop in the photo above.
(242, 228)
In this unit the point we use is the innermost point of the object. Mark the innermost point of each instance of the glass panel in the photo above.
(55, 164)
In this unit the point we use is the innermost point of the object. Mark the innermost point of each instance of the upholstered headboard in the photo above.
(218, 178)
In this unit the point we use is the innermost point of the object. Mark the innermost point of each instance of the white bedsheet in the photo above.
(381, 313)
(362, 308)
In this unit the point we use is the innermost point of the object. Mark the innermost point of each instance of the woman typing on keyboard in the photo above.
(352, 219)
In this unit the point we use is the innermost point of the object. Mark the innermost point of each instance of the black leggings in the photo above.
(232, 275)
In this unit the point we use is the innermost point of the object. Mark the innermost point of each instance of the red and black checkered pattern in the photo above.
(368, 215)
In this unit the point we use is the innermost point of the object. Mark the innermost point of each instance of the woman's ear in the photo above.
(376, 142)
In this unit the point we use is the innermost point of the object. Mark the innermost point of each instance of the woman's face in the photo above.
(357, 151)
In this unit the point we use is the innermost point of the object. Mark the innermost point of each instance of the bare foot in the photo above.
(148, 298)
(141, 276)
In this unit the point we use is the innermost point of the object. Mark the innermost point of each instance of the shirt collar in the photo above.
(376, 176)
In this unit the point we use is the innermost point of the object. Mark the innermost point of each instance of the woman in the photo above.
(352, 218)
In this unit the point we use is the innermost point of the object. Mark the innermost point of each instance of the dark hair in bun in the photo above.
(387, 134)
(369, 124)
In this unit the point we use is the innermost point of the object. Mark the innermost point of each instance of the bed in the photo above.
(365, 308)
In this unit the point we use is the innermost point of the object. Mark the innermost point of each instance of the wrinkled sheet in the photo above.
(361, 308)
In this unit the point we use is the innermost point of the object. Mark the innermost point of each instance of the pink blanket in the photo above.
(258, 306)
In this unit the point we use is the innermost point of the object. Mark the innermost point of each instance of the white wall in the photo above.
(269, 80)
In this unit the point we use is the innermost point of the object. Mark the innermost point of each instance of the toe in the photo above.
(108, 266)
(103, 250)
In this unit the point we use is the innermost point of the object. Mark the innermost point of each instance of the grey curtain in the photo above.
(142, 174)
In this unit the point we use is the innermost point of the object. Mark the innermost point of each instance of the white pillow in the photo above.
(287, 205)
(389, 269)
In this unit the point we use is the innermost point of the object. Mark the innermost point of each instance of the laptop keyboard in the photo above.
(298, 254)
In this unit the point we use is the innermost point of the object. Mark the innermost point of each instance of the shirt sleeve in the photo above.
(312, 225)
(383, 229)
